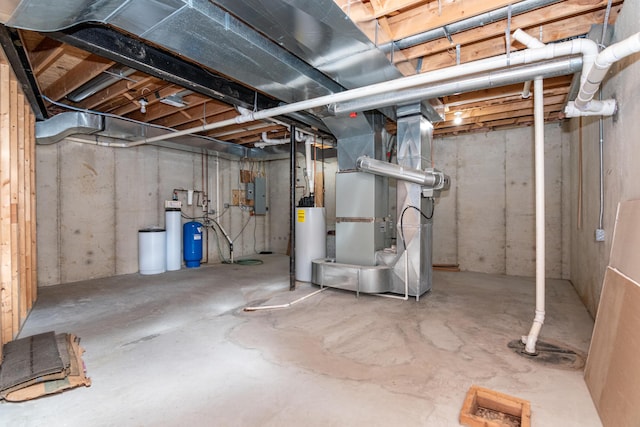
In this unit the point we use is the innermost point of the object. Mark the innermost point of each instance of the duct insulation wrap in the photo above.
(152, 253)
(311, 240)
(173, 224)
(192, 239)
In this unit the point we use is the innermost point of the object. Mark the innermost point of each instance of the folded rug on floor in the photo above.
(41, 364)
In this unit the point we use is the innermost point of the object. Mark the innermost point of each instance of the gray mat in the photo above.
(30, 358)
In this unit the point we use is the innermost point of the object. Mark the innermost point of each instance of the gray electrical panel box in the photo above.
(259, 196)
(249, 191)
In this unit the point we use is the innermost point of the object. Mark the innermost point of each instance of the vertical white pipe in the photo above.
(526, 90)
(307, 154)
(538, 107)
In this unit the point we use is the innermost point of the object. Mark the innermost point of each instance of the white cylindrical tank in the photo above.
(311, 240)
(152, 250)
(173, 223)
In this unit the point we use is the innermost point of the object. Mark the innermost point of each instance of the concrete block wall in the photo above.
(486, 221)
(91, 202)
(621, 172)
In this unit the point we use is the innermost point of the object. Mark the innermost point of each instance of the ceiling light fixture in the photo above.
(458, 118)
(174, 100)
(143, 105)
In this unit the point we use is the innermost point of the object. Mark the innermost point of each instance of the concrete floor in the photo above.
(177, 349)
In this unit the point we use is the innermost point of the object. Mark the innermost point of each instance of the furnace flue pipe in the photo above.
(430, 179)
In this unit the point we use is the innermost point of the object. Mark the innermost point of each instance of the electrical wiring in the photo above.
(427, 217)
(255, 239)
(243, 228)
(222, 214)
(220, 255)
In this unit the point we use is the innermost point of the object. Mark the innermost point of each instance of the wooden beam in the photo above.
(159, 90)
(532, 21)
(428, 16)
(116, 89)
(552, 86)
(483, 110)
(499, 115)
(45, 54)
(359, 11)
(91, 67)
(496, 46)
(157, 109)
(216, 115)
(241, 134)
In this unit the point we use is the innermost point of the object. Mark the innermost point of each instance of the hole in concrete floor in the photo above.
(503, 419)
(552, 353)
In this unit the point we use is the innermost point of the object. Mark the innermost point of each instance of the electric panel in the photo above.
(260, 196)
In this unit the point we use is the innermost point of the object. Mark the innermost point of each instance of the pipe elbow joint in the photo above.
(576, 108)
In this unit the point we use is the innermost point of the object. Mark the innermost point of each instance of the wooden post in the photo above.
(15, 268)
(18, 278)
(22, 242)
(5, 206)
(31, 208)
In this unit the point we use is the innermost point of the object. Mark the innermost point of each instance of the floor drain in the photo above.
(552, 354)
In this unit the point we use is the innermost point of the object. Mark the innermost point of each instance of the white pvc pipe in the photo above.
(310, 172)
(526, 90)
(103, 141)
(287, 305)
(585, 47)
(538, 115)
(538, 107)
(532, 43)
(601, 66)
(267, 142)
(584, 105)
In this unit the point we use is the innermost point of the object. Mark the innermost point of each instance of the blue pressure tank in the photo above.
(192, 243)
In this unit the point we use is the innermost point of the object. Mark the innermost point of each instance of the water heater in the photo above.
(311, 240)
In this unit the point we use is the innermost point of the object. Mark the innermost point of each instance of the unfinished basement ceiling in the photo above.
(183, 64)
